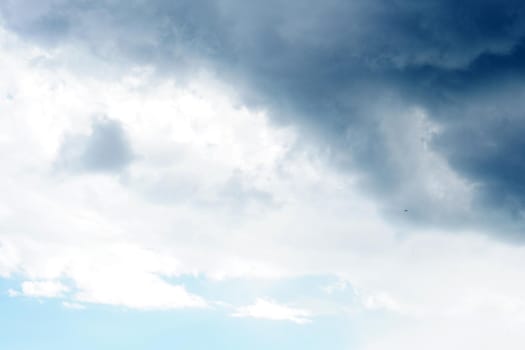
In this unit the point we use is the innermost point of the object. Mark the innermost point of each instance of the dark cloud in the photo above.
(349, 74)
(105, 149)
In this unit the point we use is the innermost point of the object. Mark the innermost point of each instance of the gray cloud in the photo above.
(105, 149)
(349, 74)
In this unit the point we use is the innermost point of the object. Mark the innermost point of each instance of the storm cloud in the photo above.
(423, 99)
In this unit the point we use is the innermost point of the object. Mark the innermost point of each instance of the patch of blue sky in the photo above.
(40, 323)
(242, 291)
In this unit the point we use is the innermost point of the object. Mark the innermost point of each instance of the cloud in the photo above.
(105, 149)
(129, 276)
(165, 216)
(8, 260)
(41, 289)
(137, 291)
(270, 310)
(318, 66)
(267, 142)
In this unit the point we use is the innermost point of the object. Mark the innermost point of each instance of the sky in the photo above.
(227, 174)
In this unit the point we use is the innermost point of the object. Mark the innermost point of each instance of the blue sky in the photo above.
(47, 324)
(227, 174)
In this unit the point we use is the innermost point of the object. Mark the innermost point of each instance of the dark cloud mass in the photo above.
(348, 73)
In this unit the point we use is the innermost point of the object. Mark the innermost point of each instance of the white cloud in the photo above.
(40, 289)
(133, 289)
(270, 310)
(8, 258)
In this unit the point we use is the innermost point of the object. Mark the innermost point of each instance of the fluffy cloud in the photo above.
(41, 289)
